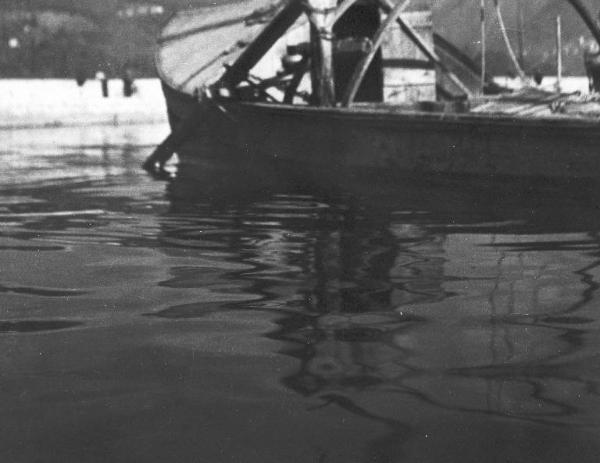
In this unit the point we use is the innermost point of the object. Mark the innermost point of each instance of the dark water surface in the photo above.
(218, 320)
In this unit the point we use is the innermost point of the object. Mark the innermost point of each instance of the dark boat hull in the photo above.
(338, 139)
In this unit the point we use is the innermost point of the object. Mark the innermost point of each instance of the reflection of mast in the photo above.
(587, 279)
(508, 370)
(364, 273)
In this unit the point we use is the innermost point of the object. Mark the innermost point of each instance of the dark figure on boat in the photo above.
(592, 67)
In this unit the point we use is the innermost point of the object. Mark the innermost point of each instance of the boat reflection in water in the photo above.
(460, 321)
(256, 318)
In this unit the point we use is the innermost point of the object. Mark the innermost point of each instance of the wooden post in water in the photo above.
(559, 64)
(322, 14)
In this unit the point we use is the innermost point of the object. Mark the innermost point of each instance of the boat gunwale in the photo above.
(396, 113)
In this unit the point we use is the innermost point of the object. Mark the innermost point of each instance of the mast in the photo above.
(322, 16)
(559, 64)
(483, 46)
(521, 40)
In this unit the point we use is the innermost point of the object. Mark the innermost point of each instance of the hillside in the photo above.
(62, 38)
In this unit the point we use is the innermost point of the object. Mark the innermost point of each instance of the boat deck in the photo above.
(491, 113)
(535, 103)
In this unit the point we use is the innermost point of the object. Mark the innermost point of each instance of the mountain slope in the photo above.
(64, 38)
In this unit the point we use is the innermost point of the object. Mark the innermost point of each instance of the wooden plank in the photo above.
(388, 5)
(407, 86)
(261, 45)
(408, 75)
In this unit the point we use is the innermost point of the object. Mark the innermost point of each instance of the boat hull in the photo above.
(383, 139)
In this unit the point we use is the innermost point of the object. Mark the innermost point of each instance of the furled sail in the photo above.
(196, 44)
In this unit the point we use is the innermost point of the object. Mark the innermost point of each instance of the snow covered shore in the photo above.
(27, 103)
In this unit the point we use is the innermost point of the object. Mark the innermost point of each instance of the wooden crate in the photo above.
(408, 76)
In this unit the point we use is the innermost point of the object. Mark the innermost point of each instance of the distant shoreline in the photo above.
(50, 103)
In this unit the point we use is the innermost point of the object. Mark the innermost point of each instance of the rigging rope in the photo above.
(509, 47)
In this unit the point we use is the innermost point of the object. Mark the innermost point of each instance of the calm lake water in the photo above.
(211, 320)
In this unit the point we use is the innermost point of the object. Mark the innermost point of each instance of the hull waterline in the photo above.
(392, 140)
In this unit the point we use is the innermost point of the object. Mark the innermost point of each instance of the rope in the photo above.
(509, 47)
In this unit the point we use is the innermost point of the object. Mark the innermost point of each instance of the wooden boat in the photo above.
(358, 84)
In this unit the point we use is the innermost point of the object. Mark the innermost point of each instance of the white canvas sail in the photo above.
(195, 45)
